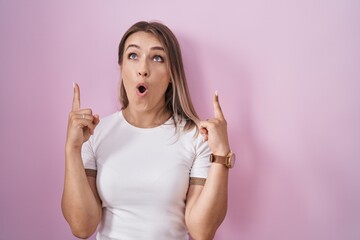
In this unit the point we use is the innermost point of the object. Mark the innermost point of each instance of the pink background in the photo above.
(288, 75)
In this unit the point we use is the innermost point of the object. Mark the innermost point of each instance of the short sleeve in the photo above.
(201, 163)
(88, 155)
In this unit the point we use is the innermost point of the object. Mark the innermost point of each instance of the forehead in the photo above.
(143, 40)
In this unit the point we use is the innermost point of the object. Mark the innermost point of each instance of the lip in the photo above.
(141, 94)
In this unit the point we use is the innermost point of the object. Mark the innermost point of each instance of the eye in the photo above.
(158, 58)
(132, 56)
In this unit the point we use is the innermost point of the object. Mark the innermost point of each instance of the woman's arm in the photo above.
(206, 205)
(80, 203)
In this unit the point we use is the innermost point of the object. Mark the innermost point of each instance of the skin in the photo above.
(207, 205)
(144, 62)
(81, 204)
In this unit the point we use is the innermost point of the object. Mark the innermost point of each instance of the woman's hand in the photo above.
(215, 130)
(81, 123)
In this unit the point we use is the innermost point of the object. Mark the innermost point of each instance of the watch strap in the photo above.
(225, 160)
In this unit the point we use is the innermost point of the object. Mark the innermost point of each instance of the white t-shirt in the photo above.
(143, 177)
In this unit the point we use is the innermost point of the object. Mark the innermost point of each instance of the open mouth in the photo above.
(141, 89)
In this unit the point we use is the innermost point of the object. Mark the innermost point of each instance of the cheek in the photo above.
(164, 87)
(125, 80)
(126, 69)
(165, 75)
(125, 76)
(165, 81)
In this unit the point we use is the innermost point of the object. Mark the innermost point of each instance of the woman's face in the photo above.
(144, 72)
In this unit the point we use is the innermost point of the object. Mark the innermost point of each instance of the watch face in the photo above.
(231, 160)
(228, 160)
(212, 159)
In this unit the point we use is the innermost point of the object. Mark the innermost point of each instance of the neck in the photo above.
(146, 119)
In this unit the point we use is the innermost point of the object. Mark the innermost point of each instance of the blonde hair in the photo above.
(177, 97)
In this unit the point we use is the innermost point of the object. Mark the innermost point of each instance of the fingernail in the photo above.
(73, 84)
(216, 93)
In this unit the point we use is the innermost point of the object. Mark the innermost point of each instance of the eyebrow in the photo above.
(152, 48)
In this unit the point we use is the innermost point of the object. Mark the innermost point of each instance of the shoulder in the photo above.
(109, 120)
(185, 124)
(107, 123)
(191, 136)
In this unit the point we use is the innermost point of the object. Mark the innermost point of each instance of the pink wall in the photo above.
(288, 75)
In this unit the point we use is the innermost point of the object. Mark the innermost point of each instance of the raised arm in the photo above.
(206, 205)
(81, 204)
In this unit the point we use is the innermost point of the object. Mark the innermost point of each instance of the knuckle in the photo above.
(71, 114)
(88, 111)
(72, 117)
(74, 122)
(222, 121)
(91, 126)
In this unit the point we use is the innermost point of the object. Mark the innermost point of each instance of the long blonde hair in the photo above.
(177, 97)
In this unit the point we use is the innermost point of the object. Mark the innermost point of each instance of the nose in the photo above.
(143, 70)
(143, 73)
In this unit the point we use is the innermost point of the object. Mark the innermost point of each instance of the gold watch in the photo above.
(228, 160)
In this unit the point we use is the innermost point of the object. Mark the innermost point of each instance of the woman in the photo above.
(147, 170)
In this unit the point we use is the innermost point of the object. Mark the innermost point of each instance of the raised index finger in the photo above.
(217, 109)
(76, 98)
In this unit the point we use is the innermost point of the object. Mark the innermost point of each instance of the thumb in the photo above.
(96, 119)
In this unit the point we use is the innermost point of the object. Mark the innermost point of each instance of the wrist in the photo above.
(228, 160)
(69, 150)
(221, 152)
